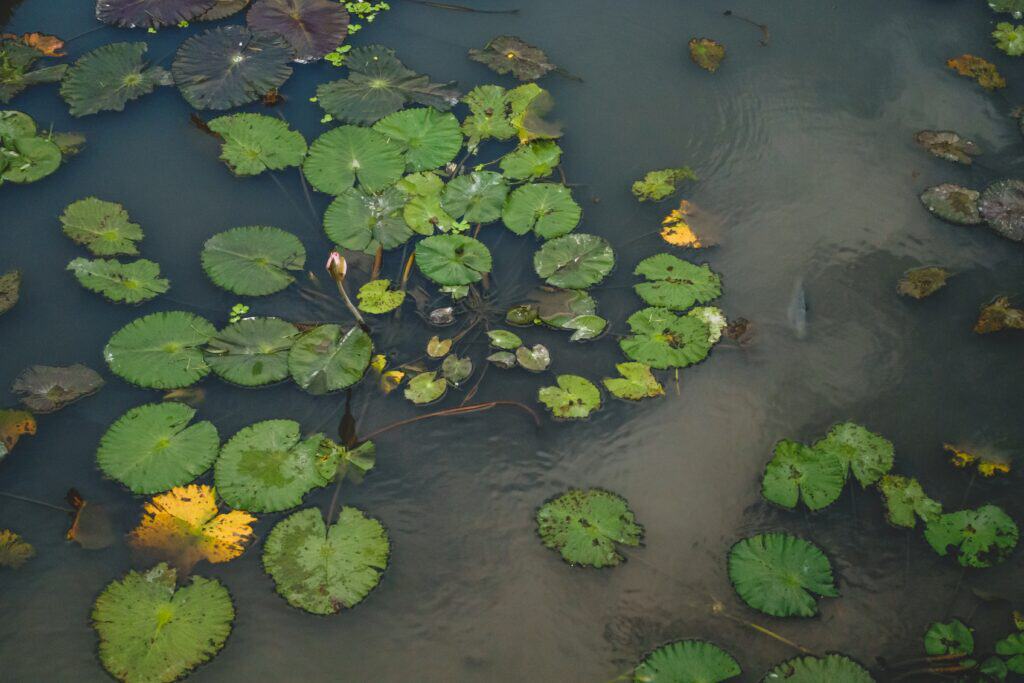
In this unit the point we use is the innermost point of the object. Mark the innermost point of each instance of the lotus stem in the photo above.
(407, 270)
(378, 260)
(461, 410)
(85, 33)
(462, 8)
(14, 496)
(764, 631)
(337, 267)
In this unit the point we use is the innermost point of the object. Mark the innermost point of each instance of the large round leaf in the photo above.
(109, 77)
(104, 228)
(254, 143)
(780, 574)
(253, 261)
(687, 661)
(312, 27)
(327, 358)
(160, 351)
(128, 283)
(547, 209)
(953, 203)
(365, 222)
(452, 260)
(538, 159)
(979, 538)
(676, 284)
(477, 197)
(152, 631)
(663, 339)
(345, 154)
(585, 526)
(252, 352)
(29, 160)
(832, 668)
(796, 471)
(574, 261)
(489, 115)
(868, 455)
(149, 13)
(427, 138)
(153, 448)
(323, 569)
(230, 66)
(953, 637)
(1002, 205)
(268, 467)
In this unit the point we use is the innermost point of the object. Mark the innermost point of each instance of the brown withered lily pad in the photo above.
(10, 289)
(953, 203)
(945, 144)
(706, 53)
(504, 54)
(1002, 205)
(999, 315)
(983, 71)
(45, 389)
(921, 282)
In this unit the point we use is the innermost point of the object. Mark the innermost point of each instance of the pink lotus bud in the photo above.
(337, 266)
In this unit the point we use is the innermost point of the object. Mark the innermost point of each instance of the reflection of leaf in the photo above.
(13, 425)
(984, 72)
(504, 54)
(833, 668)
(90, 527)
(253, 260)
(658, 185)
(375, 297)
(922, 282)
(637, 382)
(905, 499)
(707, 53)
(312, 27)
(796, 472)
(687, 661)
(45, 389)
(14, 550)
(779, 575)
(10, 290)
(129, 283)
(953, 203)
(585, 527)
(979, 538)
(949, 638)
(104, 228)
(254, 143)
(945, 144)
(574, 398)
(109, 77)
(999, 315)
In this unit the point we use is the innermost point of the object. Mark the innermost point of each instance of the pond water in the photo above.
(809, 171)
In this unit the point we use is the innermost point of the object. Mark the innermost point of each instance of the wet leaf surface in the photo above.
(45, 389)
(311, 27)
(586, 527)
(977, 538)
(574, 398)
(10, 290)
(109, 77)
(780, 575)
(662, 184)
(687, 661)
(511, 54)
(945, 144)
(999, 315)
(953, 203)
(1002, 205)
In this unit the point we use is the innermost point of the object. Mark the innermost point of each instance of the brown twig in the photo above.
(449, 412)
(765, 35)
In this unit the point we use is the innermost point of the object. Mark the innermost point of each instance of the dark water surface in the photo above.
(807, 162)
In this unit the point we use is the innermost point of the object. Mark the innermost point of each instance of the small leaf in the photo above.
(999, 315)
(375, 297)
(575, 261)
(979, 538)
(425, 388)
(868, 455)
(503, 339)
(982, 71)
(426, 137)
(949, 638)
(574, 398)
(706, 53)
(453, 259)
(586, 526)
(45, 389)
(532, 161)
(945, 144)
(456, 370)
(14, 550)
(953, 203)
(658, 185)
(904, 499)
(437, 347)
(10, 290)
(922, 282)
(476, 197)
(13, 425)
(506, 360)
(585, 327)
(796, 472)
(545, 208)
(637, 382)
(536, 359)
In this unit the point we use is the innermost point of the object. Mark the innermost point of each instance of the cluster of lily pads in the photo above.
(950, 648)
(28, 154)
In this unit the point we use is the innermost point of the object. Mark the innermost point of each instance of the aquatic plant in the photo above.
(953, 203)
(662, 339)
(17, 59)
(150, 13)
(46, 389)
(511, 54)
(26, 155)
(834, 668)
(13, 425)
(999, 315)
(949, 638)
(252, 352)
(574, 398)
(780, 574)
(14, 550)
(109, 77)
(313, 28)
(905, 501)
(253, 260)
(922, 282)
(687, 661)
(128, 283)
(978, 69)
(586, 526)
(161, 350)
(1002, 206)
(661, 184)
(947, 145)
(254, 143)
(637, 382)
(10, 290)
(102, 227)
(706, 53)
(977, 538)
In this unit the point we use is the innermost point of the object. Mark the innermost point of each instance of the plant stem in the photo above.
(461, 410)
(351, 307)
(461, 8)
(23, 499)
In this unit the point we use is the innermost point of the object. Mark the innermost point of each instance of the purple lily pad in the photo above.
(1002, 205)
(312, 27)
(45, 389)
(149, 13)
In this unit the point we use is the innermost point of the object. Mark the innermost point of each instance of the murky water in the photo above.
(807, 162)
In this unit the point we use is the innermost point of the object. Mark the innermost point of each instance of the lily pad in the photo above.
(999, 315)
(428, 138)
(222, 9)
(29, 160)
(152, 630)
(707, 53)
(1002, 206)
(545, 208)
(637, 382)
(662, 339)
(423, 212)
(311, 27)
(10, 290)
(676, 284)
(150, 13)
(532, 161)
(949, 638)
(868, 455)
(346, 154)
(780, 575)
(13, 425)
(585, 327)
(323, 569)
(327, 358)
(658, 185)
(17, 73)
(254, 260)
(586, 526)
(161, 350)
(833, 668)
(379, 84)
(1014, 7)
(14, 550)
(153, 448)
(905, 500)
(953, 203)
(557, 307)
(503, 339)
(575, 261)
(510, 54)
(128, 283)
(714, 318)
(1009, 38)
(529, 104)
(922, 282)
(796, 472)
(506, 360)
(425, 388)
(535, 359)
(476, 197)
(46, 389)
(453, 259)
(981, 537)
(456, 370)
(437, 347)
(489, 108)
(687, 661)
(375, 297)
(947, 145)
(254, 143)
(103, 227)
(574, 398)
(252, 352)
(365, 222)
(230, 66)
(978, 69)
(109, 77)
(1012, 647)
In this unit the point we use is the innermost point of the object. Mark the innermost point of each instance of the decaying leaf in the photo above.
(945, 144)
(13, 424)
(14, 550)
(10, 290)
(48, 46)
(983, 71)
(437, 347)
(989, 465)
(922, 282)
(953, 203)
(999, 315)
(90, 523)
(676, 229)
(46, 389)
(707, 53)
(504, 54)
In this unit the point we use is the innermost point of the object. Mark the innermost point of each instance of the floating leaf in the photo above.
(14, 550)
(1002, 205)
(489, 107)
(585, 327)
(999, 315)
(17, 73)
(222, 9)
(676, 284)
(313, 28)
(46, 45)
(352, 463)
(153, 448)
(536, 359)
(663, 339)
(586, 526)
(676, 230)
(1009, 38)
(327, 358)
(103, 227)
(945, 144)
(345, 154)
(922, 282)
(453, 259)
(714, 318)
(437, 347)
(687, 661)
(13, 425)
(532, 161)
(423, 212)
(150, 13)
(477, 197)
(953, 203)
(254, 260)
(528, 105)
(506, 360)
(151, 630)
(574, 261)
(706, 53)
(185, 526)
(557, 307)
(868, 455)
(29, 160)
(574, 398)
(658, 185)
(833, 668)
(161, 350)
(323, 569)
(503, 339)
(456, 370)
(1012, 647)
(109, 77)
(45, 389)
(10, 290)
(905, 499)
(252, 352)
(254, 143)
(637, 382)
(510, 54)
(979, 538)
(987, 466)
(779, 575)
(230, 66)
(949, 638)
(522, 316)
(128, 283)
(798, 472)
(425, 387)
(545, 208)
(375, 297)
(1014, 7)
(377, 85)
(982, 71)
(365, 222)
(428, 138)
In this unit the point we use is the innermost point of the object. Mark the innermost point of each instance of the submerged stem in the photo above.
(14, 496)
(448, 412)
(461, 8)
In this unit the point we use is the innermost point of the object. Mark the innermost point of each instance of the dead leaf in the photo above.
(945, 144)
(676, 230)
(999, 315)
(707, 53)
(192, 396)
(14, 550)
(90, 525)
(48, 46)
(983, 71)
(13, 424)
(922, 282)
(390, 380)
(10, 288)
(438, 348)
(46, 389)
(988, 466)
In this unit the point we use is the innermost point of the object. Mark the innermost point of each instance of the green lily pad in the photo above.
(254, 260)
(779, 575)
(488, 119)
(949, 638)
(535, 359)
(585, 527)
(676, 284)
(528, 105)
(1014, 7)
(532, 161)
(104, 228)
(511, 54)
(423, 212)
(327, 358)
(833, 668)
(323, 569)
(16, 124)
(574, 261)
(252, 352)
(127, 283)
(269, 467)
(46, 389)
(637, 382)
(428, 138)
(161, 350)
(14, 550)
(574, 398)
(476, 197)
(152, 630)
(254, 143)
(109, 77)
(545, 208)
(905, 499)
(375, 297)
(714, 318)
(585, 327)
(153, 448)
(365, 222)
(503, 339)
(1012, 646)
(663, 339)
(451, 260)
(658, 185)
(978, 538)
(798, 472)
(687, 661)
(506, 360)
(868, 455)
(10, 290)
(425, 388)
(29, 160)
(456, 370)
(17, 73)
(343, 155)
(352, 463)
(953, 203)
